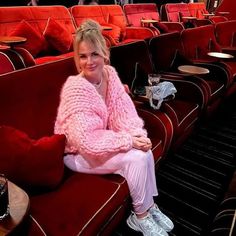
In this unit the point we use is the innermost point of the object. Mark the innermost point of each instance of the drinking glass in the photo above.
(4, 200)
(153, 79)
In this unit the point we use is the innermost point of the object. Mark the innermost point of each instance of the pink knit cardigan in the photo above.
(97, 129)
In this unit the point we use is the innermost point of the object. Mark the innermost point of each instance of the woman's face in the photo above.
(89, 61)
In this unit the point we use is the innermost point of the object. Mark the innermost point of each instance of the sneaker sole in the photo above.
(132, 225)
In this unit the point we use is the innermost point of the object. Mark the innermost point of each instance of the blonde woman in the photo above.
(104, 132)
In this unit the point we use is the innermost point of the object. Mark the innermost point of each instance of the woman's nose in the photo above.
(90, 59)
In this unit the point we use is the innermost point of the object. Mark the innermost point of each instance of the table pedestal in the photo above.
(19, 206)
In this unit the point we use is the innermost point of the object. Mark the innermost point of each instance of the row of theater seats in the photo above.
(175, 12)
(171, 14)
(29, 99)
(49, 30)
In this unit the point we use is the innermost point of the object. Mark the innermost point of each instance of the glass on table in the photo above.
(4, 200)
(153, 79)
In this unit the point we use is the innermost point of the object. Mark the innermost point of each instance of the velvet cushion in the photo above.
(35, 41)
(161, 27)
(57, 36)
(31, 163)
(114, 33)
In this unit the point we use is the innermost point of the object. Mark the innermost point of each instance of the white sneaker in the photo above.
(146, 225)
(161, 219)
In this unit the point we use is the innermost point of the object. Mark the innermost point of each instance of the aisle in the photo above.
(192, 182)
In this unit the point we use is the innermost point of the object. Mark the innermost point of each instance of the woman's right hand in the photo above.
(142, 143)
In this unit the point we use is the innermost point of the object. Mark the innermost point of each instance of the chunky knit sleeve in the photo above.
(123, 114)
(82, 118)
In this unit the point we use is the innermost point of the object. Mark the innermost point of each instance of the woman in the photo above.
(104, 133)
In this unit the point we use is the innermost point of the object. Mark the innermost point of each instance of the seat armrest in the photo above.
(188, 88)
(230, 50)
(138, 33)
(173, 26)
(217, 72)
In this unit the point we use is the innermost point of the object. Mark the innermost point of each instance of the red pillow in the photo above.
(35, 41)
(57, 36)
(31, 163)
(114, 33)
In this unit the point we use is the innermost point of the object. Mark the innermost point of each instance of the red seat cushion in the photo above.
(31, 163)
(71, 212)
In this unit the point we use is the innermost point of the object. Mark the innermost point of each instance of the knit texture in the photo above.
(97, 129)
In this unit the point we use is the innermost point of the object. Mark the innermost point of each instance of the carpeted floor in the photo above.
(192, 182)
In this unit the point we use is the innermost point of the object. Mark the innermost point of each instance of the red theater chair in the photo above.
(168, 54)
(184, 111)
(198, 9)
(136, 15)
(226, 36)
(110, 16)
(200, 41)
(181, 12)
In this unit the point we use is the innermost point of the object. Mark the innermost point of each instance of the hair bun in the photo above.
(90, 25)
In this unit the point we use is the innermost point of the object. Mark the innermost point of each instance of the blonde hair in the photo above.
(91, 32)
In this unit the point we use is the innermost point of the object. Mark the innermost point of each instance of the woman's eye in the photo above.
(82, 56)
(95, 54)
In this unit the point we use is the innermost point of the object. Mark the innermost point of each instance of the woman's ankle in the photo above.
(142, 215)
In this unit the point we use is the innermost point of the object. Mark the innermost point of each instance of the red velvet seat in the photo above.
(175, 12)
(198, 9)
(226, 36)
(135, 12)
(110, 15)
(183, 111)
(198, 42)
(37, 18)
(168, 53)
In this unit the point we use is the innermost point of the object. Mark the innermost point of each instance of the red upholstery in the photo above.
(198, 9)
(198, 42)
(226, 34)
(37, 17)
(135, 12)
(165, 50)
(171, 11)
(227, 6)
(113, 15)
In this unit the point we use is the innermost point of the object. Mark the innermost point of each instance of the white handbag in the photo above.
(161, 92)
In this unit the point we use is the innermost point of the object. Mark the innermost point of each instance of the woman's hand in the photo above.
(142, 143)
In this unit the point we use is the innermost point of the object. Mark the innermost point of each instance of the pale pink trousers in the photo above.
(136, 166)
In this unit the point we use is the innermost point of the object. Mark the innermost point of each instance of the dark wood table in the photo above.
(11, 41)
(19, 207)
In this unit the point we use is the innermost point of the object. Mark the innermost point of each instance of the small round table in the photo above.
(11, 41)
(19, 207)
(208, 15)
(148, 22)
(223, 13)
(106, 28)
(194, 70)
(220, 55)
